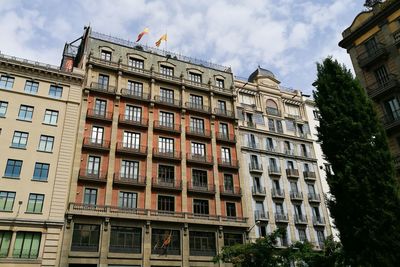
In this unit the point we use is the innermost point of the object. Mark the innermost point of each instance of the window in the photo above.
(195, 77)
(196, 101)
(97, 135)
(31, 87)
(316, 114)
(254, 162)
(279, 208)
(290, 125)
(166, 174)
(230, 209)
(381, 75)
(133, 113)
(90, 196)
(290, 165)
(219, 83)
(167, 71)
(165, 241)
(320, 237)
(46, 143)
(5, 240)
(55, 91)
(166, 203)
(199, 178)
(127, 200)
(166, 95)
(198, 149)
(223, 129)
(93, 167)
(371, 46)
(6, 201)
(125, 239)
(103, 81)
(226, 155)
(292, 110)
(201, 243)
(25, 113)
(13, 168)
(20, 139)
(166, 119)
(293, 187)
(228, 182)
(302, 234)
(197, 125)
(165, 145)
(100, 107)
(131, 140)
(105, 55)
(222, 106)
(392, 107)
(129, 169)
(50, 117)
(6, 82)
(85, 237)
(27, 245)
(272, 108)
(288, 148)
(135, 88)
(35, 203)
(3, 108)
(200, 206)
(247, 99)
(231, 239)
(270, 144)
(311, 189)
(136, 63)
(41, 171)
(273, 165)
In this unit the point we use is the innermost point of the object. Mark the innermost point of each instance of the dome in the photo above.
(261, 73)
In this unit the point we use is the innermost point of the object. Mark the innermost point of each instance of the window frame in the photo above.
(38, 203)
(49, 115)
(7, 82)
(8, 196)
(29, 85)
(46, 139)
(13, 174)
(55, 91)
(27, 111)
(22, 140)
(41, 178)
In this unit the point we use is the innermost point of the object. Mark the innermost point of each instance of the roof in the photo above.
(260, 72)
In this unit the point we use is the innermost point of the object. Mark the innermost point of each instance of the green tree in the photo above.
(365, 202)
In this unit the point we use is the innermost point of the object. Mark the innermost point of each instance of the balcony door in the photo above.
(97, 135)
(93, 165)
(165, 145)
(223, 129)
(167, 119)
(392, 107)
(133, 113)
(103, 81)
(198, 150)
(228, 183)
(225, 155)
(197, 125)
(131, 140)
(129, 169)
(260, 207)
(100, 107)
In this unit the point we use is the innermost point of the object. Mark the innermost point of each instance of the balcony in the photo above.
(103, 62)
(368, 58)
(133, 69)
(391, 120)
(167, 127)
(199, 159)
(167, 213)
(96, 144)
(227, 138)
(293, 173)
(167, 101)
(289, 152)
(137, 122)
(260, 215)
(103, 88)
(203, 216)
(318, 221)
(296, 195)
(128, 93)
(379, 88)
(99, 115)
(309, 175)
(274, 170)
(300, 219)
(230, 164)
(166, 154)
(278, 193)
(165, 184)
(198, 107)
(230, 191)
(255, 167)
(198, 132)
(314, 197)
(233, 219)
(199, 188)
(281, 217)
(258, 191)
(130, 149)
(92, 176)
(224, 113)
(197, 84)
(129, 180)
(273, 112)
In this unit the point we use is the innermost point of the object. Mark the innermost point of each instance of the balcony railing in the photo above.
(124, 249)
(199, 84)
(233, 219)
(103, 62)
(379, 88)
(167, 101)
(198, 132)
(224, 113)
(292, 172)
(300, 219)
(228, 163)
(231, 138)
(105, 88)
(169, 127)
(296, 195)
(368, 57)
(92, 175)
(309, 175)
(128, 148)
(134, 69)
(274, 170)
(167, 213)
(255, 167)
(260, 215)
(135, 95)
(233, 191)
(277, 193)
(166, 184)
(318, 220)
(129, 179)
(99, 115)
(94, 143)
(197, 107)
(141, 122)
(84, 247)
(201, 188)
(197, 158)
(281, 217)
(258, 191)
(203, 216)
(314, 197)
(166, 154)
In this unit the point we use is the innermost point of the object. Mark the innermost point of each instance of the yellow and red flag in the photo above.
(145, 31)
(164, 37)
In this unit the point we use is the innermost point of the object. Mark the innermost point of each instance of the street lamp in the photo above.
(251, 228)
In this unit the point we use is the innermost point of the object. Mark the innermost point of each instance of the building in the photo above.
(156, 177)
(373, 41)
(39, 110)
(283, 189)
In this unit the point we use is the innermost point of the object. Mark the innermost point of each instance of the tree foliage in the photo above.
(365, 202)
(372, 3)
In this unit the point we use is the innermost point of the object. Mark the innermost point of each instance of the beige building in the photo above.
(283, 185)
(39, 110)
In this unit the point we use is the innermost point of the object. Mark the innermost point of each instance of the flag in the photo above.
(145, 31)
(163, 37)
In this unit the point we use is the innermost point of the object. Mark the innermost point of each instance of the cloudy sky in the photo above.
(286, 36)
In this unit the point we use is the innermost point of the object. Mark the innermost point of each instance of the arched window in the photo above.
(272, 108)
